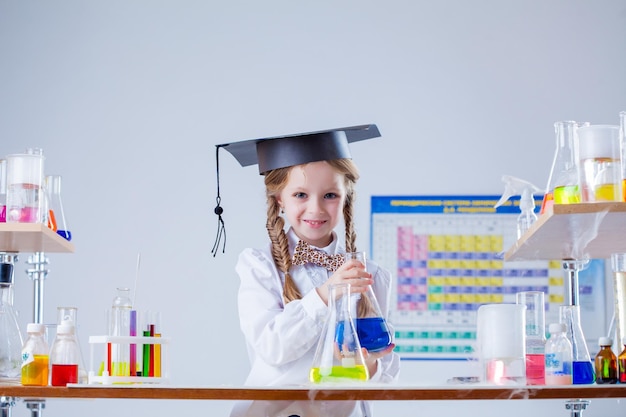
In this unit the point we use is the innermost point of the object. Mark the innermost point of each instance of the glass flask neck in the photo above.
(6, 295)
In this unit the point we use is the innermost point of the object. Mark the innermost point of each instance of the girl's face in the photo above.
(313, 201)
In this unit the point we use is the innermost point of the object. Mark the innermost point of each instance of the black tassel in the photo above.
(221, 227)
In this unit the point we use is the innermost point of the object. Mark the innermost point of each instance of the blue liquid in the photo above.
(583, 373)
(66, 234)
(373, 333)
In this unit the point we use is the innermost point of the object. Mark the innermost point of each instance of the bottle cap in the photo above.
(35, 328)
(66, 327)
(605, 341)
(557, 327)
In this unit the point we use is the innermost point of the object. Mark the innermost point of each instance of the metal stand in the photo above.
(6, 406)
(576, 407)
(37, 273)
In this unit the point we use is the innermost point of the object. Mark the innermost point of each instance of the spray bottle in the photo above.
(515, 186)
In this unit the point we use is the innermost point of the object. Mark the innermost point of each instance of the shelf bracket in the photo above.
(576, 407)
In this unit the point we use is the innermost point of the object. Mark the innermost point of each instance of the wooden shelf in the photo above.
(319, 393)
(574, 231)
(32, 237)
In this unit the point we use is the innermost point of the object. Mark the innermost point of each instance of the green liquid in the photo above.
(567, 194)
(339, 374)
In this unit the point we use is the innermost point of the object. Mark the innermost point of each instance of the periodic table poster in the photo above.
(446, 254)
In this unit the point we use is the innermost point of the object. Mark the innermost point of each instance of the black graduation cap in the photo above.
(288, 150)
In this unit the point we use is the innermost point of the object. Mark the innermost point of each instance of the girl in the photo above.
(283, 303)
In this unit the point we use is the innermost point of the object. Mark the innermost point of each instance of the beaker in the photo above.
(535, 335)
(582, 367)
(371, 326)
(562, 185)
(600, 169)
(618, 265)
(501, 343)
(56, 214)
(338, 357)
(25, 196)
(10, 336)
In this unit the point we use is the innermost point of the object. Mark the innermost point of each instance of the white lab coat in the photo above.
(281, 339)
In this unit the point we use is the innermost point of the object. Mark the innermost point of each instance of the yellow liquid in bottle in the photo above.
(566, 194)
(339, 374)
(606, 192)
(36, 372)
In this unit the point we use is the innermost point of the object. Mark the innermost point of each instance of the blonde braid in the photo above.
(276, 230)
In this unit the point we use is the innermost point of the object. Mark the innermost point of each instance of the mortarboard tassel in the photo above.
(221, 228)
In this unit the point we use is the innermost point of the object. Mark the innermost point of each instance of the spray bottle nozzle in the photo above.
(515, 186)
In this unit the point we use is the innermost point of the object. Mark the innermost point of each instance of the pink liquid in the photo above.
(63, 375)
(3, 214)
(535, 369)
(559, 380)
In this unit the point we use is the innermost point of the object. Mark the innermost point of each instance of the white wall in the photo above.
(128, 99)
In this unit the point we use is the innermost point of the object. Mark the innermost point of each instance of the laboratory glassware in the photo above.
(621, 363)
(119, 325)
(3, 190)
(371, 325)
(599, 159)
(70, 315)
(535, 335)
(338, 357)
(65, 355)
(501, 343)
(25, 195)
(35, 356)
(622, 139)
(558, 356)
(56, 215)
(562, 185)
(605, 362)
(618, 265)
(582, 367)
(10, 336)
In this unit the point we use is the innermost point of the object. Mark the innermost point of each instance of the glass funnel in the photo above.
(338, 357)
(582, 372)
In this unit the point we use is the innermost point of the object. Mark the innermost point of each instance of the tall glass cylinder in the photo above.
(622, 135)
(618, 265)
(535, 335)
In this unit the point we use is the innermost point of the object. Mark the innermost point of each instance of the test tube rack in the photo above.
(103, 377)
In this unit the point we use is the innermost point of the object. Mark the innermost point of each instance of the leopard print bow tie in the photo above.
(304, 253)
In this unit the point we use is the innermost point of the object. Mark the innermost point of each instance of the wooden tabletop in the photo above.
(326, 393)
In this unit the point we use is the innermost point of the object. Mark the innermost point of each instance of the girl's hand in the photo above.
(351, 272)
(371, 359)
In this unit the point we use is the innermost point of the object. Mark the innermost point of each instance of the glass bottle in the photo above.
(3, 190)
(70, 314)
(35, 356)
(562, 185)
(64, 355)
(371, 326)
(119, 325)
(621, 363)
(56, 214)
(582, 367)
(338, 357)
(535, 335)
(606, 362)
(10, 336)
(558, 356)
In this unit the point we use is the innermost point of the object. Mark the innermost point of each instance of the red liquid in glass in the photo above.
(63, 375)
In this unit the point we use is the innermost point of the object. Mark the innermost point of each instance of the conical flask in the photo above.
(56, 214)
(562, 185)
(371, 326)
(339, 357)
(10, 336)
(66, 315)
(582, 366)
